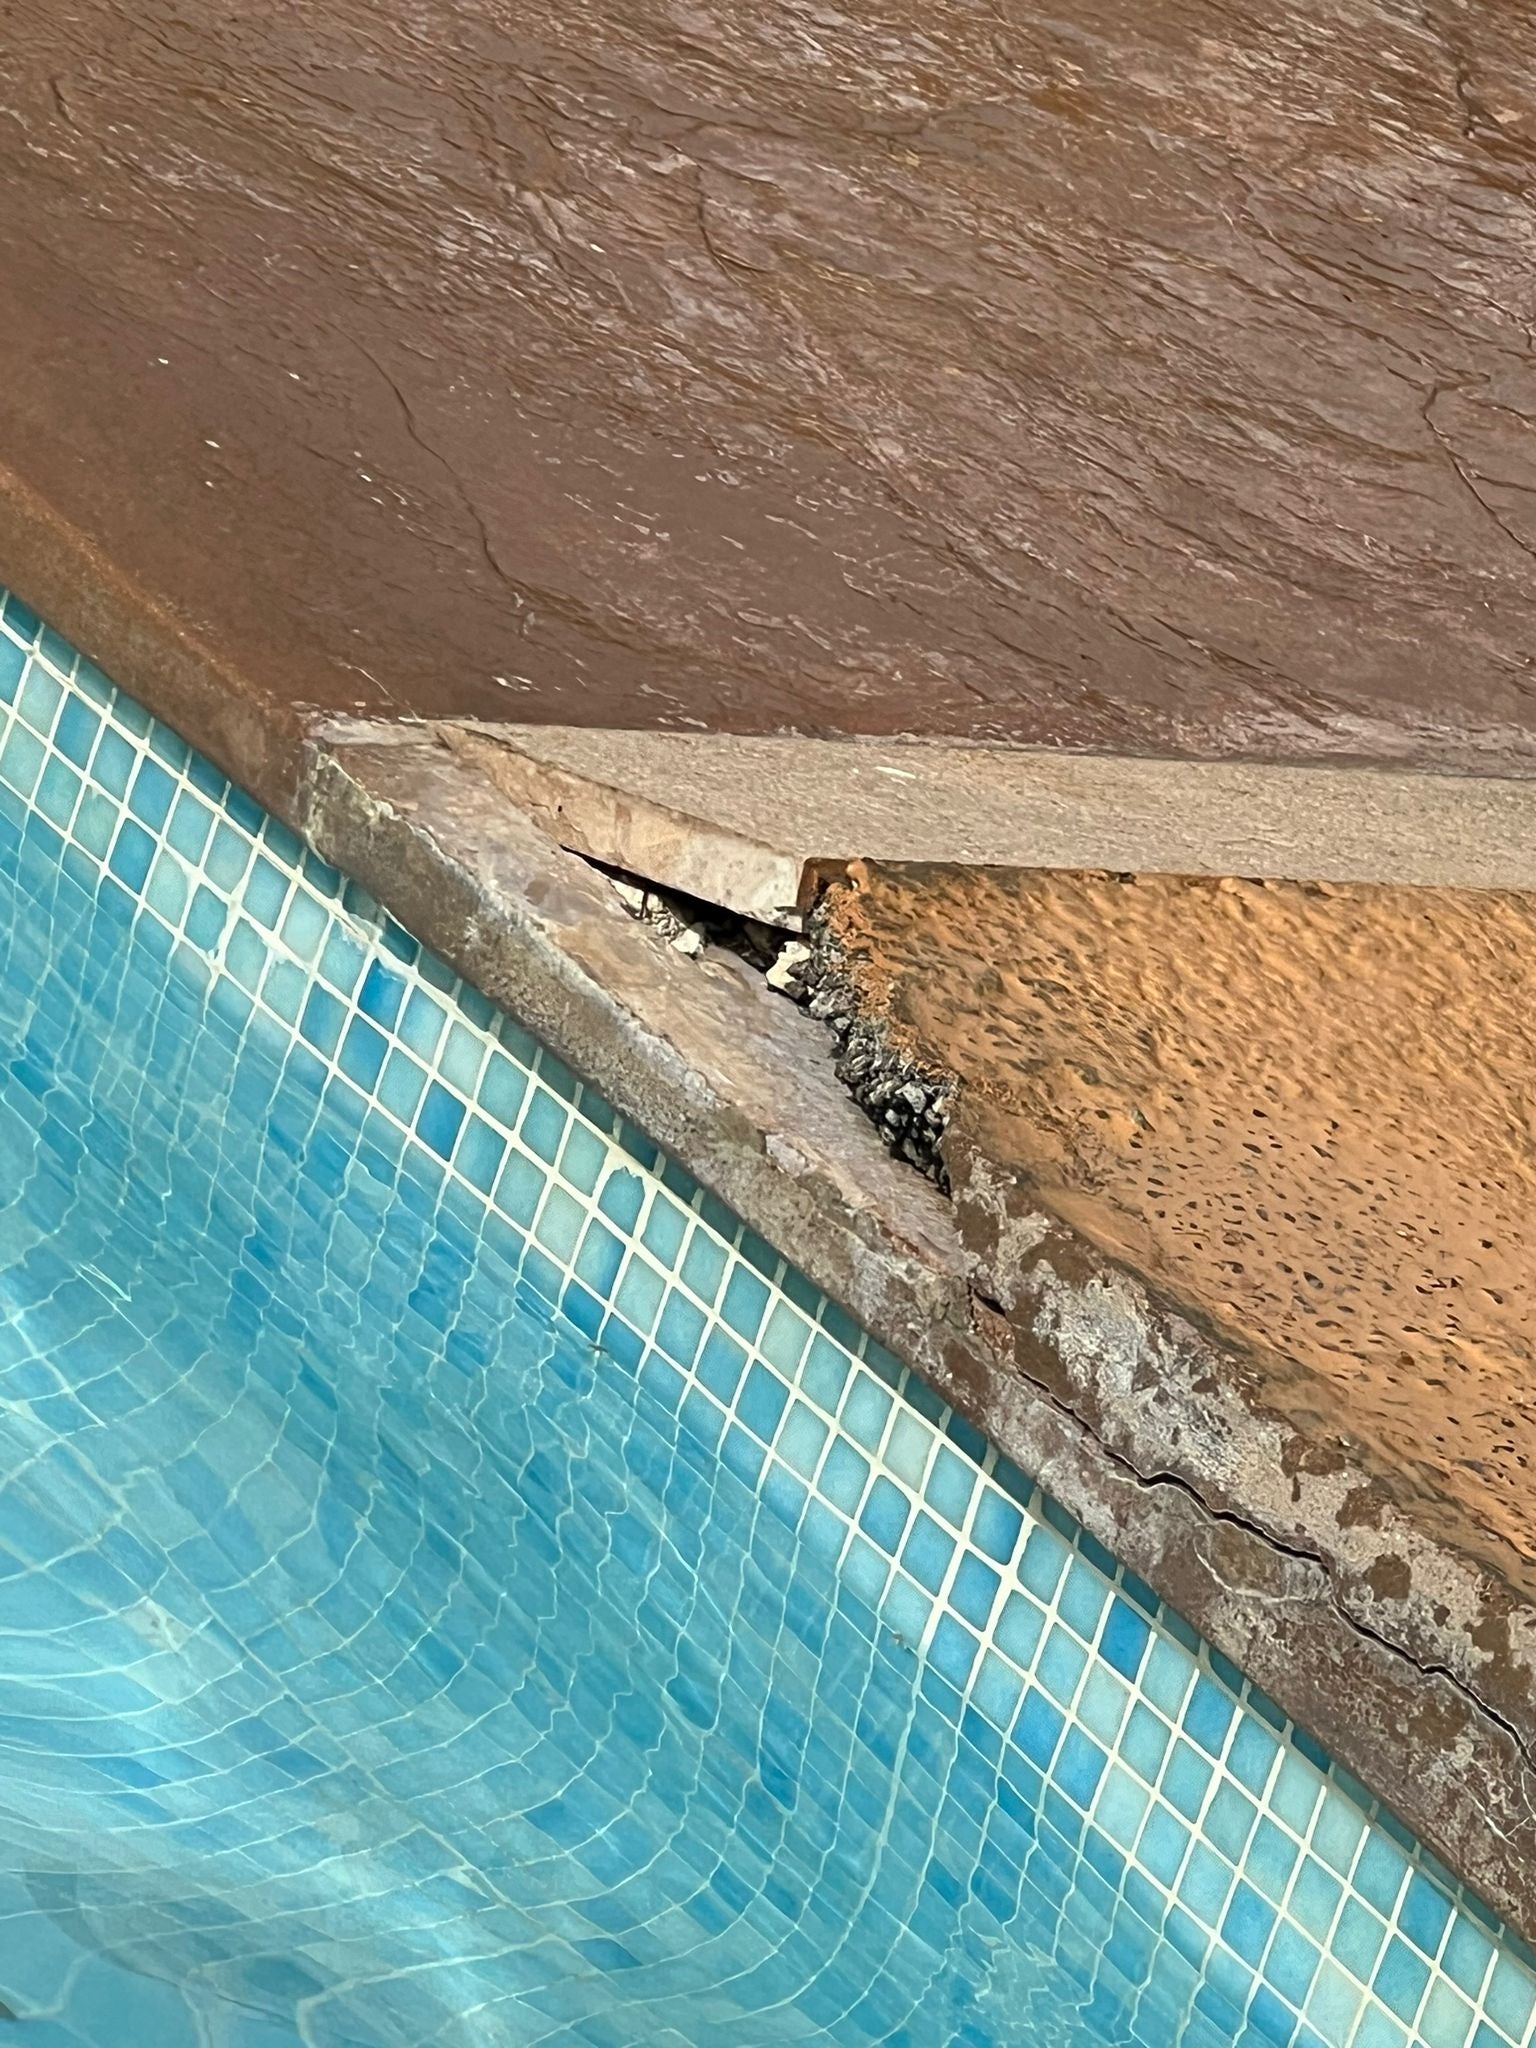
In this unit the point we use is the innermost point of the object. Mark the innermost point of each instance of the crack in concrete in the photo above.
(1524, 1748)
(408, 419)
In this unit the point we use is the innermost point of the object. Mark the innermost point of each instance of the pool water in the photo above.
(458, 1585)
(381, 1663)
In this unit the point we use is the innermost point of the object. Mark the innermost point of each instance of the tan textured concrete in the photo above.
(1308, 1113)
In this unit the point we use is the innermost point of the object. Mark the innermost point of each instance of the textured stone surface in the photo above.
(1158, 377)
(1305, 1112)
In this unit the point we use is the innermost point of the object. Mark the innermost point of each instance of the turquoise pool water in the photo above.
(458, 1587)
(381, 1660)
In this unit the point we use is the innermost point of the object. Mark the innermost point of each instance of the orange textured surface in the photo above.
(1308, 1113)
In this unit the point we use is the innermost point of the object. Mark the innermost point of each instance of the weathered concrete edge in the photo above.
(170, 664)
(754, 804)
(1167, 1392)
(735, 1085)
(691, 854)
(1451, 1771)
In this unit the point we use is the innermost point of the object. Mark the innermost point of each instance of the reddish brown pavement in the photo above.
(1149, 377)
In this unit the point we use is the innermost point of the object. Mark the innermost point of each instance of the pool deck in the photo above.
(1158, 385)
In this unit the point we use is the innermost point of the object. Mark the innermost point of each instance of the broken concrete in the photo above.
(1153, 1427)
(756, 823)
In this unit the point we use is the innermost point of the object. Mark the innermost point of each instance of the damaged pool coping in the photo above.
(1148, 1429)
(1408, 1655)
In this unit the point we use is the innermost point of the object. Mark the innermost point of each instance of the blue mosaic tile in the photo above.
(488, 1596)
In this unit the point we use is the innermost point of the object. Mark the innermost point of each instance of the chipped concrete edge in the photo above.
(536, 929)
(639, 833)
(1071, 1365)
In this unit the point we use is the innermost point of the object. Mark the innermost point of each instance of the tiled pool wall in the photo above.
(1141, 1768)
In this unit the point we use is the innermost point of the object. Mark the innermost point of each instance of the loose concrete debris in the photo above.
(909, 1108)
(789, 972)
(689, 925)
(682, 933)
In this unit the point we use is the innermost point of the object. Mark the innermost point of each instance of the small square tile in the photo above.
(582, 1158)
(1270, 1860)
(802, 1438)
(265, 892)
(1446, 2019)
(927, 1552)
(1423, 1915)
(1248, 1923)
(1039, 1728)
(1379, 1872)
(1468, 1953)
(866, 1410)
(844, 1476)
(826, 1373)
(1510, 1998)
(543, 1127)
(951, 1484)
(1144, 1743)
(1082, 1600)
(1292, 1964)
(998, 1525)
(1061, 1665)
(382, 994)
(761, 1404)
(1334, 2003)
(421, 1024)
(784, 1340)
(1315, 1897)
(1167, 1675)
(744, 1305)
(954, 1651)
(1020, 1628)
(1400, 1980)
(974, 1590)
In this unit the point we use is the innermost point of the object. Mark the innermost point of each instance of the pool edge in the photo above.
(725, 1085)
(772, 1134)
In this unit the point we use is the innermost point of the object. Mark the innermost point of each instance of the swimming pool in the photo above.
(457, 1586)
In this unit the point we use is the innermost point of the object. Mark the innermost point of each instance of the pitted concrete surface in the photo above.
(1306, 1114)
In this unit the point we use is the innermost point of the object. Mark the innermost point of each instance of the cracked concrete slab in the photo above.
(1146, 1422)
(755, 823)
(1246, 1171)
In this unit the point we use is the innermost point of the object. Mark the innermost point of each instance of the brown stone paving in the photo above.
(1309, 1114)
(1149, 376)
